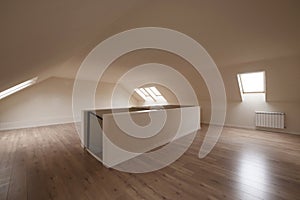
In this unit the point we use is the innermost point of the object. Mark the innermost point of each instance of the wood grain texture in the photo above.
(49, 163)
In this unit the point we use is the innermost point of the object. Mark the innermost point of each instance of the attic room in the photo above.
(151, 100)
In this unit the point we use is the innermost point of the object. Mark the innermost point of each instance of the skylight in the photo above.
(17, 88)
(253, 82)
(150, 94)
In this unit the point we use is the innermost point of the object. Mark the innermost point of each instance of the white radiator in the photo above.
(269, 119)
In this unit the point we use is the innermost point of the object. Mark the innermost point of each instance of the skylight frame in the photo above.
(17, 88)
(242, 84)
(155, 91)
(151, 94)
(144, 91)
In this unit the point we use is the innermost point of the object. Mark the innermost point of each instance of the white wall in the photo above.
(242, 114)
(282, 86)
(48, 102)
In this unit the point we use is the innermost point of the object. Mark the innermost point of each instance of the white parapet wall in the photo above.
(120, 136)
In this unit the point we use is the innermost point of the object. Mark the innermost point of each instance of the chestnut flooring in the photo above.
(49, 163)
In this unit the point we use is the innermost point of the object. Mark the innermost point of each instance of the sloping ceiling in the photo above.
(51, 38)
(232, 31)
(37, 36)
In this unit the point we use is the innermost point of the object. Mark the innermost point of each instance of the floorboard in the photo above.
(49, 163)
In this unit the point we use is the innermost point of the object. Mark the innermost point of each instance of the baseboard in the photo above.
(64, 120)
(230, 125)
(252, 128)
(30, 124)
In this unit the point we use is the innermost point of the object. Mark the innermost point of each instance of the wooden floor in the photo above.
(48, 163)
